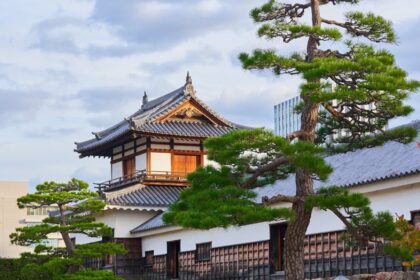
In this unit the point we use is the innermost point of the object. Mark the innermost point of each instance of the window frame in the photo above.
(151, 254)
(203, 251)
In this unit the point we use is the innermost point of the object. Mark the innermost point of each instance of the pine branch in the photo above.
(279, 198)
(372, 27)
(289, 32)
(297, 134)
(279, 12)
(349, 226)
(250, 182)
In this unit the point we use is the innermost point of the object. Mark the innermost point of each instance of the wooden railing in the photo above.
(141, 176)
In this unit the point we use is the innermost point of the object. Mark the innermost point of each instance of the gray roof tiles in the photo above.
(144, 121)
(148, 196)
(359, 167)
(153, 223)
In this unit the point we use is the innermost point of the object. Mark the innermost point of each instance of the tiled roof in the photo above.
(147, 196)
(144, 121)
(363, 166)
(153, 223)
(185, 129)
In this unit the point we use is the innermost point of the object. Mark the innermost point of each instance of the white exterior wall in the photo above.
(207, 162)
(122, 221)
(160, 162)
(397, 200)
(141, 162)
(116, 170)
(219, 237)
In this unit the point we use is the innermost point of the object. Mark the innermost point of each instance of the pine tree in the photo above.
(77, 206)
(362, 76)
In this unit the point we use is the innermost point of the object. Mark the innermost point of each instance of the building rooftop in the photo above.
(144, 196)
(179, 113)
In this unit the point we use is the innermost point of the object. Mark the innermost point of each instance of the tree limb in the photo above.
(349, 226)
(249, 183)
(279, 198)
(297, 134)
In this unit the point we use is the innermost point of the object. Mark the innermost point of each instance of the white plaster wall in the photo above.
(397, 200)
(122, 221)
(160, 162)
(207, 162)
(141, 162)
(116, 170)
(219, 237)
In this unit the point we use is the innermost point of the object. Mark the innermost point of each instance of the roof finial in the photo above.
(145, 99)
(188, 80)
(189, 88)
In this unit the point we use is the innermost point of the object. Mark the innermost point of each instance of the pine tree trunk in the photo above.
(296, 230)
(70, 248)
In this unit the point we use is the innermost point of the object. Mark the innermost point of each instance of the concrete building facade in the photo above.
(11, 217)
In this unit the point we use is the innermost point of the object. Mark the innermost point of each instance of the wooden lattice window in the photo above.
(149, 258)
(203, 252)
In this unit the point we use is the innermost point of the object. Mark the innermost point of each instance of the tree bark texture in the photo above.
(67, 240)
(296, 230)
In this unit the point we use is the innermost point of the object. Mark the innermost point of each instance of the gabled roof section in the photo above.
(153, 223)
(179, 113)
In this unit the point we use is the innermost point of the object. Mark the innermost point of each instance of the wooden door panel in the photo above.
(178, 164)
(184, 164)
(191, 164)
(129, 167)
(277, 249)
(173, 249)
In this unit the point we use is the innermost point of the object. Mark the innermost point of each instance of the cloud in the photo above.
(162, 24)
(21, 105)
(253, 106)
(49, 132)
(137, 26)
(105, 106)
(200, 55)
(74, 36)
(92, 174)
(106, 99)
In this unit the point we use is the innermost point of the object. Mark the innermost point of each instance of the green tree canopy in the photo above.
(76, 208)
(360, 89)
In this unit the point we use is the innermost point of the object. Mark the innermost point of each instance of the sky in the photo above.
(70, 67)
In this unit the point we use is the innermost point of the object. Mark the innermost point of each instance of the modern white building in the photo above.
(152, 151)
(286, 119)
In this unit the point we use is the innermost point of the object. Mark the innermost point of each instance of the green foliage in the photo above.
(218, 196)
(407, 243)
(376, 28)
(359, 88)
(291, 32)
(214, 200)
(354, 210)
(35, 272)
(91, 275)
(76, 210)
(10, 269)
(243, 151)
(96, 250)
